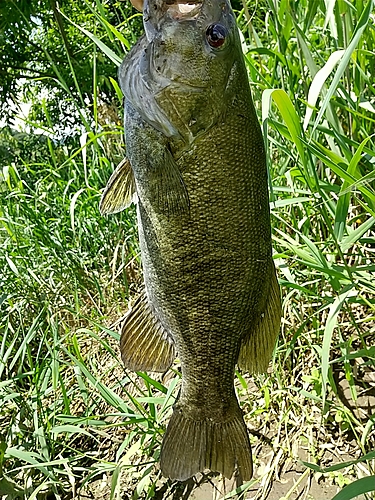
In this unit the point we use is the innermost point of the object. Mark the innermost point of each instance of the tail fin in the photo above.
(191, 446)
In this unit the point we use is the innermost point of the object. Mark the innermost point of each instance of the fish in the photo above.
(196, 165)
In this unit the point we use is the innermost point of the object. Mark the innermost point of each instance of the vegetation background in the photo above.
(71, 418)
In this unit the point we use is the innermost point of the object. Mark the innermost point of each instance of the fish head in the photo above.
(192, 43)
(185, 64)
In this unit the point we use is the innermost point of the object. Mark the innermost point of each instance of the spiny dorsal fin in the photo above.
(145, 344)
(119, 191)
(256, 349)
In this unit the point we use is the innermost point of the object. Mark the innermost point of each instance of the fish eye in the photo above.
(216, 35)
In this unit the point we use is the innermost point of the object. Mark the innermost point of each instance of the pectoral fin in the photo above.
(145, 344)
(159, 179)
(167, 186)
(120, 190)
(257, 346)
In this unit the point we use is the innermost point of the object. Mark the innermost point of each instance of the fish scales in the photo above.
(195, 149)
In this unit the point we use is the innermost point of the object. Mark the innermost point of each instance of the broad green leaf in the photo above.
(169, 397)
(288, 112)
(116, 86)
(318, 83)
(151, 400)
(368, 353)
(342, 465)
(330, 17)
(116, 32)
(69, 429)
(355, 235)
(106, 392)
(290, 201)
(160, 387)
(337, 165)
(72, 207)
(41, 487)
(20, 354)
(357, 488)
(370, 425)
(31, 458)
(102, 46)
(12, 265)
(115, 483)
(366, 180)
(301, 37)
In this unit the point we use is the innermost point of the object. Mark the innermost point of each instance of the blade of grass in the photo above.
(361, 26)
(344, 196)
(102, 46)
(357, 488)
(330, 325)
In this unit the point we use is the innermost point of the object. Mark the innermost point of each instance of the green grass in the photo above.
(69, 414)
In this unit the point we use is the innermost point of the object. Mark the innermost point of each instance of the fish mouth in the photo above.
(156, 11)
(183, 9)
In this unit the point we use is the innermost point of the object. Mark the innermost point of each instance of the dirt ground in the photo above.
(293, 485)
(274, 479)
(278, 453)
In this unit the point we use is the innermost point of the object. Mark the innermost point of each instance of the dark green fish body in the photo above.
(211, 294)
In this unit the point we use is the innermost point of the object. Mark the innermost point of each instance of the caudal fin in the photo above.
(191, 446)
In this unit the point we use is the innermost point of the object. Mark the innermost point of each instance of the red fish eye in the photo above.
(216, 35)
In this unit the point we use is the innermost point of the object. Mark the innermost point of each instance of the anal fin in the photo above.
(145, 345)
(257, 346)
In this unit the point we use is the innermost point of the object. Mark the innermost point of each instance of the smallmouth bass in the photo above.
(196, 160)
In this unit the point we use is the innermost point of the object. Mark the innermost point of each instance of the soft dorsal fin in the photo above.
(119, 191)
(145, 344)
